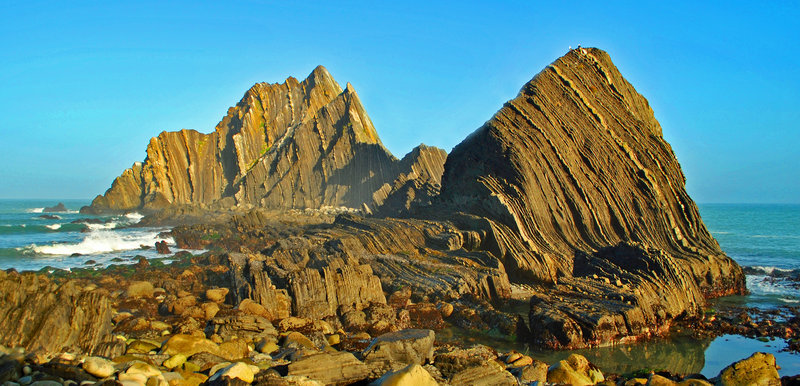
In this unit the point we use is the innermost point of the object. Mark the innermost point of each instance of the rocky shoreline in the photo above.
(563, 222)
(219, 318)
(174, 329)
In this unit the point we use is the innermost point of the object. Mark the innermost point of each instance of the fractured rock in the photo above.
(395, 350)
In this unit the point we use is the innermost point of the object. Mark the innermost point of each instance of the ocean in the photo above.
(32, 240)
(765, 239)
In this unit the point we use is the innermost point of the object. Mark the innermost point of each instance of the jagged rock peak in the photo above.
(576, 163)
(294, 144)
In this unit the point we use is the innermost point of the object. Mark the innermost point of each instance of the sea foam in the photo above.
(102, 241)
(134, 216)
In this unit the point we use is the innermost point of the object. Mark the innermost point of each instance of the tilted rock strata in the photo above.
(576, 184)
(569, 188)
(306, 144)
(38, 314)
(418, 183)
(576, 162)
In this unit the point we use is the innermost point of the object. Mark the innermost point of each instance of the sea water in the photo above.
(765, 239)
(29, 241)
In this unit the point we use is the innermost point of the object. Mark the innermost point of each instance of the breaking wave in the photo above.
(102, 241)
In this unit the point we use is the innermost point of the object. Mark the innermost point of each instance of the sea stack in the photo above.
(579, 185)
(306, 144)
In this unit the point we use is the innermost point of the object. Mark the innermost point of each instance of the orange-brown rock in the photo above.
(39, 314)
(306, 144)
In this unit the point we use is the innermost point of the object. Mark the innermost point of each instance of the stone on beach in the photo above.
(99, 367)
(758, 369)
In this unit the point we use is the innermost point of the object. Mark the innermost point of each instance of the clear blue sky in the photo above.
(83, 86)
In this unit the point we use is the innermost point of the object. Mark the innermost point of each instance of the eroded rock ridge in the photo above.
(306, 144)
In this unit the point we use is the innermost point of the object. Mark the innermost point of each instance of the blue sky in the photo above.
(84, 85)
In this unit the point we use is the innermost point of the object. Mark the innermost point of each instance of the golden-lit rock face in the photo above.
(297, 144)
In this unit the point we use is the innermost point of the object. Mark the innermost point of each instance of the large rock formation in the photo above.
(38, 314)
(306, 144)
(569, 191)
(579, 187)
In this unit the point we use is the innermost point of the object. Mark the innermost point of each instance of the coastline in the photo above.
(114, 281)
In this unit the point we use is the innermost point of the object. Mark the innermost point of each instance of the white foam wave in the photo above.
(769, 270)
(135, 216)
(100, 227)
(35, 210)
(766, 285)
(788, 300)
(53, 226)
(102, 241)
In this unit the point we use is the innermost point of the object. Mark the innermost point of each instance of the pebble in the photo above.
(175, 361)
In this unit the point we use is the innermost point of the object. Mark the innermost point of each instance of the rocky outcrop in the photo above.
(306, 144)
(58, 208)
(38, 314)
(578, 189)
(417, 184)
(577, 162)
(569, 191)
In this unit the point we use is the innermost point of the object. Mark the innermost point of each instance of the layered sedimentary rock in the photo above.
(569, 192)
(417, 184)
(578, 185)
(306, 144)
(38, 314)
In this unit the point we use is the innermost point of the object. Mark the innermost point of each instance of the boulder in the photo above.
(139, 289)
(575, 370)
(98, 367)
(330, 368)
(238, 370)
(188, 345)
(758, 369)
(396, 350)
(217, 295)
(489, 373)
(162, 247)
(249, 327)
(411, 375)
(454, 359)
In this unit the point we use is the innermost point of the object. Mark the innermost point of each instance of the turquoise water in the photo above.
(765, 239)
(30, 242)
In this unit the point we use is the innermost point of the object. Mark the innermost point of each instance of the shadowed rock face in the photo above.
(576, 162)
(580, 192)
(304, 144)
